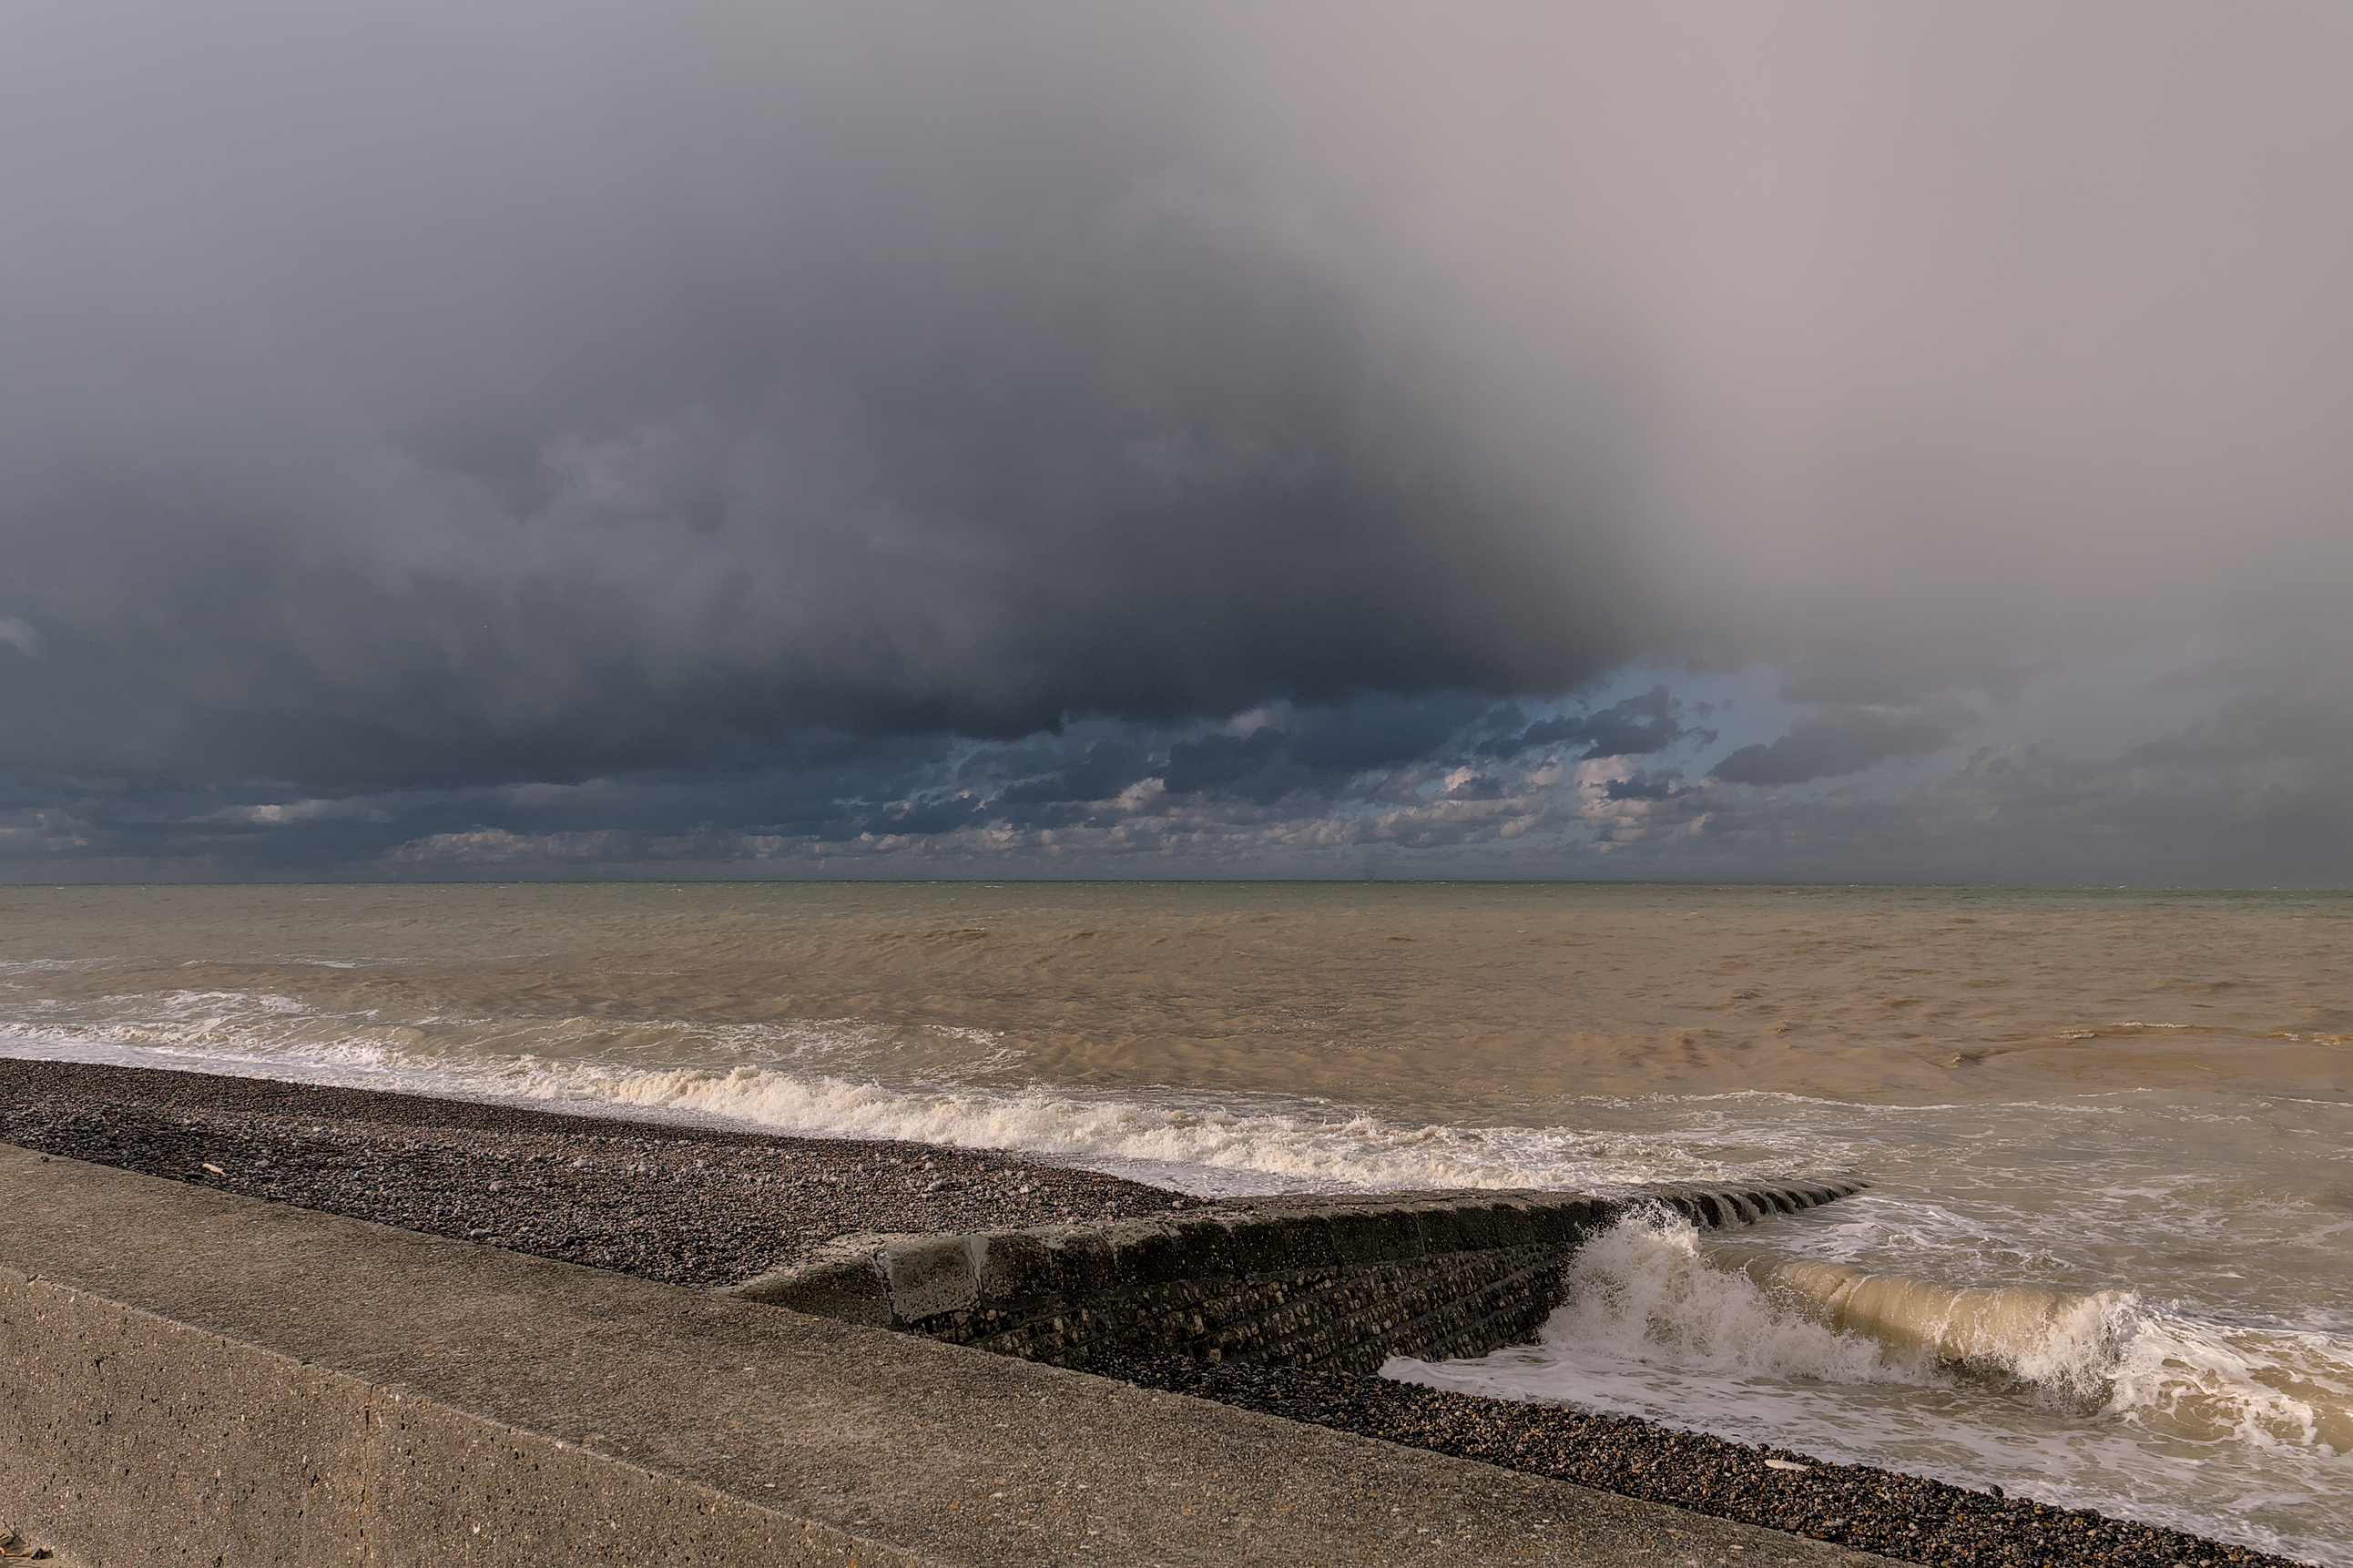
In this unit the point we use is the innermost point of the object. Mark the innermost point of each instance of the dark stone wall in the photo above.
(1340, 1282)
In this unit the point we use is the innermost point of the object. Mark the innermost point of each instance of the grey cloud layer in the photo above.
(953, 399)
(1846, 739)
(2254, 791)
(581, 432)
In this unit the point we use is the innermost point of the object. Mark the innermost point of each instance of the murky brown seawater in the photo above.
(2112, 1131)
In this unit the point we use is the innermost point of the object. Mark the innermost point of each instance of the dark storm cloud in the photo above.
(1257, 766)
(2256, 790)
(1100, 770)
(2301, 715)
(1899, 676)
(583, 435)
(1318, 750)
(1846, 740)
(1640, 725)
(616, 411)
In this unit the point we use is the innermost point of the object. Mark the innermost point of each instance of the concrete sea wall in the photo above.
(190, 1376)
(1339, 1282)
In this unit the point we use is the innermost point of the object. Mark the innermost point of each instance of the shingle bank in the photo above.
(1339, 1282)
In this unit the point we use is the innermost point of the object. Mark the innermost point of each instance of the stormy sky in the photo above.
(1828, 441)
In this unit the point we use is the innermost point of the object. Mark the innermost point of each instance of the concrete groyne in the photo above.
(1343, 1282)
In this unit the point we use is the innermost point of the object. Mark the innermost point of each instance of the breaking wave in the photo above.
(1668, 1322)
(817, 1081)
(1651, 1288)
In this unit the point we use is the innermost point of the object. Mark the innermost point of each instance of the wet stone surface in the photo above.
(1905, 1517)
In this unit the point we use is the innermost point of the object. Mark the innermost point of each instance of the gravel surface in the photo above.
(696, 1205)
(689, 1206)
(1902, 1517)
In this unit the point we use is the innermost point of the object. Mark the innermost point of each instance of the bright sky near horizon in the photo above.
(1816, 441)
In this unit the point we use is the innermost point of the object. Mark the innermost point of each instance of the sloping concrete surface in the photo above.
(188, 1376)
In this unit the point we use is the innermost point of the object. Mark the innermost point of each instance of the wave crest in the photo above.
(1650, 1290)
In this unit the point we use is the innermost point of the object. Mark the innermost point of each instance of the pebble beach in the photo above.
(709, 1207)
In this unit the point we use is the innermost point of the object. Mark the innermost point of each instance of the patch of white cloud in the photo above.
(291, 813)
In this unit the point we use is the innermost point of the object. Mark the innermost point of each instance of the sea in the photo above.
(2106, 1258)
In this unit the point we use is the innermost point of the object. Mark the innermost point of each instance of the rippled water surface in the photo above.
(2108, 1259)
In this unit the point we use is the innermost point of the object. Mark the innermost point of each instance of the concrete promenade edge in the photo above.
(188, 1376)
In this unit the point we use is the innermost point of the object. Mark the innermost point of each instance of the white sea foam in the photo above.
(818, 1079)
(1196, 1143)
(2137, 1400)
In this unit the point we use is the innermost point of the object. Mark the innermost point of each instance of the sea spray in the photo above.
(2135, 1401)
(1644, 1290)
